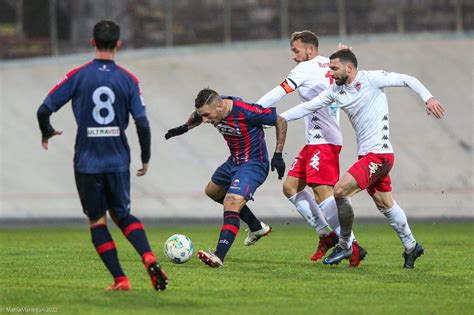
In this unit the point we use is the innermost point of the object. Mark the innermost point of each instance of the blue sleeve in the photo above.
(60, 94)
(43, 115)
(263, 116)
(137, 103)
(144, 138)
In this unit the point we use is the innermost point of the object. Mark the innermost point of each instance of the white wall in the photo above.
(433, 173)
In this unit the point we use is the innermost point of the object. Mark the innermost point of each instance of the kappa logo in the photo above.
(385, 117)
(314, 118)
(385, 127)
(315, 161)
(384, 137)
(374, 167)
(341, 97)
(316, 127)
(385, 146)
(317, 136)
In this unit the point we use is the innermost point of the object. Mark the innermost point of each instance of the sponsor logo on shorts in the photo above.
(103, 132)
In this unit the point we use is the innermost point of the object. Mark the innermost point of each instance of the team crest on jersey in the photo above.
(228, 130)
(236, 182)
(357, 86)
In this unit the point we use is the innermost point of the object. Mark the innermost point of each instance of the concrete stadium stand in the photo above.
(432, 176)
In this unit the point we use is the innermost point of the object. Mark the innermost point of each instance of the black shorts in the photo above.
(101, 192)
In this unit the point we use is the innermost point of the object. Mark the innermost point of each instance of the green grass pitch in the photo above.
(57, 268)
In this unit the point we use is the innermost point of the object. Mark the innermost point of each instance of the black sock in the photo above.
(134, 231)
(248, 217)
(229, 231)
(106, 249)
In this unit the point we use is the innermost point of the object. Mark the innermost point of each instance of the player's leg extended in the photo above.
(229, 230)
(345, 188)
(398, 220)
(304, 202)
(324, 195)
(217, 193)
(132, 228)
(92, 193)
(105, 247)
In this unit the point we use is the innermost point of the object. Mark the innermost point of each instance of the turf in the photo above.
(57, 269)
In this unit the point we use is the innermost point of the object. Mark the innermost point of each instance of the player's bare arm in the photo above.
(194, 120)
(277, 161)
(433, 106)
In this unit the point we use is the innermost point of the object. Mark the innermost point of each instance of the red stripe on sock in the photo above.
(232, 215)
(105, 247)
(132, 227)
(230, 227)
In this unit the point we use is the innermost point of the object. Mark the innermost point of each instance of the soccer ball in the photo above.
(179, 248)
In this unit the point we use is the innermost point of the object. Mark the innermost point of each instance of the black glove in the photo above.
(173, 132)
(279, 164)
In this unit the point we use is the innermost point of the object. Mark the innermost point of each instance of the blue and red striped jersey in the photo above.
(103, 96)
(243, 130)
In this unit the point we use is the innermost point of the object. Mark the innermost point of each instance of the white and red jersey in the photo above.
(365, 102)
(310, 78)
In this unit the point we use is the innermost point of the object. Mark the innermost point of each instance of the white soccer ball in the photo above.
(179, 248)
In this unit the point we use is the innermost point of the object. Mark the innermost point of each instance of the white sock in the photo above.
(329, 208)
(398, 220)
(309, 210)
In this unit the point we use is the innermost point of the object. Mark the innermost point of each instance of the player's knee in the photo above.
(339, 191)
(233, 202)
(289, 190)
(210, 193)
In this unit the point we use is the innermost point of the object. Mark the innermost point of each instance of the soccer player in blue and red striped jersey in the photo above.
(103, 96)
(237, 179)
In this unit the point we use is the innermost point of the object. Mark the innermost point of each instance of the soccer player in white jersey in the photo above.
(317, 164)
(361, 95)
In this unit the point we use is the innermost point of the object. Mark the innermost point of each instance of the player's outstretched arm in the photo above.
(433, 106)
(47, 131)
(277, 161)
(193, 121)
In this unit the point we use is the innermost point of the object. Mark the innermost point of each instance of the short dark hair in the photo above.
(106, 35)
(205, 96)
(345, 55)
(306, 37)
